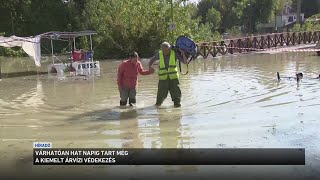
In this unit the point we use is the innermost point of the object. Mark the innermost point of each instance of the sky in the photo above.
(194, 1)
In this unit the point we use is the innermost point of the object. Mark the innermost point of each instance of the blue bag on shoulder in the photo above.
(189, 47)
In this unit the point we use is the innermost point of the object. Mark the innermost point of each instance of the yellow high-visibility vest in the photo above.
(172, 70)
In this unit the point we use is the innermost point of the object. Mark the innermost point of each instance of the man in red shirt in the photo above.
(128, 78)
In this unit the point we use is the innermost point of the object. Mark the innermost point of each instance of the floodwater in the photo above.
(231, 101)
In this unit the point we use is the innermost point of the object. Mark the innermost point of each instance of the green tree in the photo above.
(203, 8)
(280, 5)
(310, 25)
(308, 7)
(214, 18)
(234, 32)
(43, 16)
(240, 12)
(231, 11)
(258, 11)
(12, 16)
(122, 26)
(139, 25)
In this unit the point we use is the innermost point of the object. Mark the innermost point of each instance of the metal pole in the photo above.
(92, 57)
(249, 19)
(92, 54)
(91, 42)
(172, 35)
(91, 47)
(12, 25)
(298, 11)
(74, 49)
(70, 48)
(275, 21)
(74, 44)
(52, 51)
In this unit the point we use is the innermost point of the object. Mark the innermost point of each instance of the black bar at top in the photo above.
(220, 156)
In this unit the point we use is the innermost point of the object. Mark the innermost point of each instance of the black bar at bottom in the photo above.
(221, 156)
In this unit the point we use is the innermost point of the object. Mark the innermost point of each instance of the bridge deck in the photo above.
(258, 43)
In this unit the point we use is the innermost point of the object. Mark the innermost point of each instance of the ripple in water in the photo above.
(227, 100)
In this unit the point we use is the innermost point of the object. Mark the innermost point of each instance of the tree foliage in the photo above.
(214, 18)
(231, 11)
(309, 7)
(139, 25)
(310, 25)
(280, 5)
(246, 13)
(122, 26)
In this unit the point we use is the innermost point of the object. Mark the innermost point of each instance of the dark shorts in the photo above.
(126, 93)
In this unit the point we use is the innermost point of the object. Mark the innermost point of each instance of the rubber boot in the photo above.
(177, 104)
(53, 70)
(123, 103)
(132, 102)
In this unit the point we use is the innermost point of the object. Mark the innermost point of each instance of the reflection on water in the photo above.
(232, 101)
(226, 101)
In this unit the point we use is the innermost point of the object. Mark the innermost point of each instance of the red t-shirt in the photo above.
(128, 73)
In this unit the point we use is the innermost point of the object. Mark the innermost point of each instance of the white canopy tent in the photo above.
(30, 45)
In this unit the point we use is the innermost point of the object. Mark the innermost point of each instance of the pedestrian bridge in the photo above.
(258, 43)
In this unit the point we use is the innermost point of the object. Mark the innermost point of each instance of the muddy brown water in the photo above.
(231, 101)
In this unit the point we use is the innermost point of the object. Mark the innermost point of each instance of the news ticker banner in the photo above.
(220, 156)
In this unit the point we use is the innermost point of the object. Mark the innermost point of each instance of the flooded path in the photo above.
(231, 101)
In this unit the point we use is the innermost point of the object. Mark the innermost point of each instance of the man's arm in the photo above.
(155, 58)
(182, 57)
(120, 76)
(144, 72)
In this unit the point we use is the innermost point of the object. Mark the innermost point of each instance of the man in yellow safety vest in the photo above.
(168, 73)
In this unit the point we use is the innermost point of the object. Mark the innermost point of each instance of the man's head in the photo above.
(134, 57)
(166, 48)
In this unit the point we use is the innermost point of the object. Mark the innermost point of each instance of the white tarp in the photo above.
(30, 45)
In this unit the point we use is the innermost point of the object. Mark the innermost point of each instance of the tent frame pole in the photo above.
(91, 49)
(52, 52)
(74, 44)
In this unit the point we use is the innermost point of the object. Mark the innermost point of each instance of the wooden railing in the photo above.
(256, 43)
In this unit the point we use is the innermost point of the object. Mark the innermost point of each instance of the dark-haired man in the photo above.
(128, 78)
